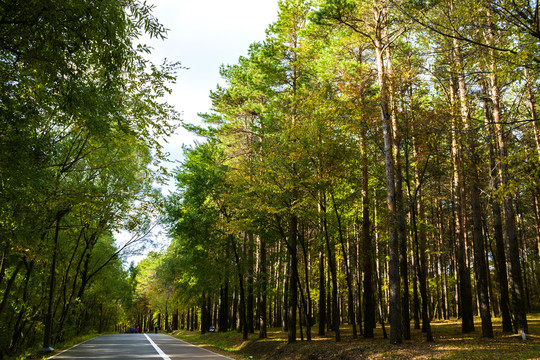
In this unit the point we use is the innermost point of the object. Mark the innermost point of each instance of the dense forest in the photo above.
(370, 163)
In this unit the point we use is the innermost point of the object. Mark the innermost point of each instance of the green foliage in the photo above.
(80, 126)
(296, 132)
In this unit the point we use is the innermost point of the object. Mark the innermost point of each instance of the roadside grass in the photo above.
(449, 343)
(34, 353)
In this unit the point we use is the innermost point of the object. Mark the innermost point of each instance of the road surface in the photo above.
(137, 347)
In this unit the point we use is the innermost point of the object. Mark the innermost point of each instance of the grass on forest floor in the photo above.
(449, 343)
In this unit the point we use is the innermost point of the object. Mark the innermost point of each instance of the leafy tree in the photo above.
(81, 126)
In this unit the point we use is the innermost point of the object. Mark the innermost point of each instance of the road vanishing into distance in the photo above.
(137, 347)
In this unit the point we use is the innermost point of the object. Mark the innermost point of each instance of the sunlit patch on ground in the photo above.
(449, 343)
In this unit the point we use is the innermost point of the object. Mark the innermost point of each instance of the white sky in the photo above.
(203, 35)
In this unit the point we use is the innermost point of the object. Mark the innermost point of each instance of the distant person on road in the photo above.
(156, 327)
(132, 329)
(137, 330)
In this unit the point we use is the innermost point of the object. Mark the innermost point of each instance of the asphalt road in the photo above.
(137, 347)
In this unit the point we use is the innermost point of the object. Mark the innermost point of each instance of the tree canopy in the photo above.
(80, 130)
(369, 161)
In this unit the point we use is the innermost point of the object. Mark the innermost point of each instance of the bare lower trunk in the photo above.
(333, 271)
(510, 233)
(367, 260)
(465, 290)
(500, 255)
(263, 280)
(293, 280)
(396, 333)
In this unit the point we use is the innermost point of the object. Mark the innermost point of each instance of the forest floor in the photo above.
(449, 343)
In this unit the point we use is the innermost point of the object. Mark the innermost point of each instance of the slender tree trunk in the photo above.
(249, 281)
(279, 289)
(333, 270)
(347, 269)
(293, 279)
(9, 285)
(306, 300)
(396, 325)
(285, 297)
(263, 280)
(400, 211)
(322, 290)
(416, 299)
(511, 239)
(4, 261)
(421, 268)
(175, 319)
(367, 252)
(205, 325)
(378, 284)
(192, 325)
(531, 96)
(242, 303)
(329, 313)
(358, 278)
(478, 236)
(419, 233)
(322, 277)
(224, 308)
(233, 307)
(500, 255)
(465, 290)
(442, 260)
(20, 324)
(47, 334)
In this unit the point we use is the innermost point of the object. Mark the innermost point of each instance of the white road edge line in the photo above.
(63, 351)
(198, 347)
(165, 357)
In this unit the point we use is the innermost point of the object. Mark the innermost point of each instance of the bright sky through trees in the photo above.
(203, 35)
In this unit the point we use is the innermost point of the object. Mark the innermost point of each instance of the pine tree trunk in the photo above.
(175, 319)
(333, 271)
(293, 279)
(322, 290)
(263, 281)
(498, 235)
(242, 303)
(348, 276)
(419, 233)
(465, 290)
(285, 297)
(234, 310)
(396, 330)
(510, 233)
(249, 282)
(279, 290)
(367, 252)
(358, 278)
(481, 269)
(378, 276)
(306, 300)
(204, 313)
(442, 261)
(400, 211)
(531, 96)
(223, 316)
(421, 268)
